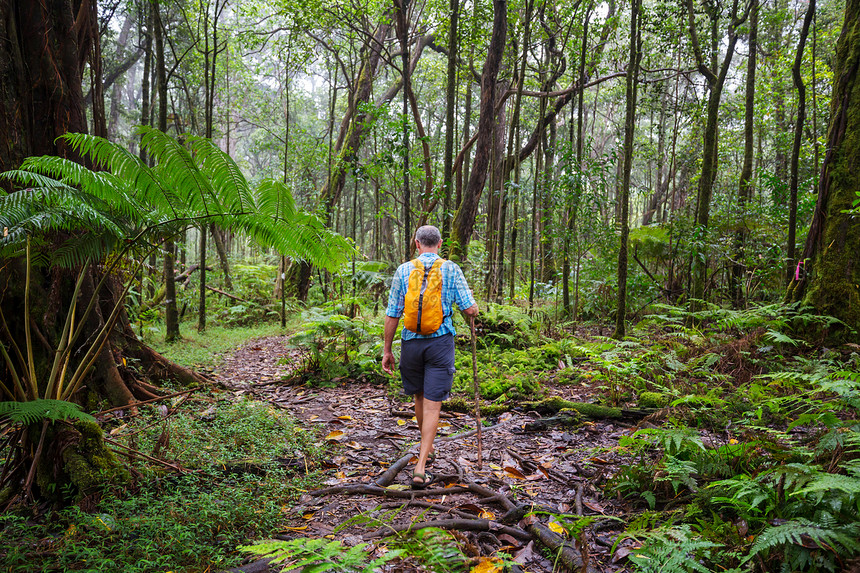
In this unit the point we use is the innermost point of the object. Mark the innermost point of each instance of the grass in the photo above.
(246, 462)
(207, 349)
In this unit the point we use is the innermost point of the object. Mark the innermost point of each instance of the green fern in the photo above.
(318, 555)
(671, 550)
(134, 202)
(43, 409)
(842, 540)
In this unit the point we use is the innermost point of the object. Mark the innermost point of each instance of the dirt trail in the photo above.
(558, 470)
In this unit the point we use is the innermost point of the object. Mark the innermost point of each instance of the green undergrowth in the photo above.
(243, 463)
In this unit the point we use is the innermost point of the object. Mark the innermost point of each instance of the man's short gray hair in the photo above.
(428, 235)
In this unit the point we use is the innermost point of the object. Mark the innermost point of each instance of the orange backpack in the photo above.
(422, 313)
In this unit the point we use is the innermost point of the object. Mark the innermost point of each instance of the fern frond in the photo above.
(841, 540)
(42, 409)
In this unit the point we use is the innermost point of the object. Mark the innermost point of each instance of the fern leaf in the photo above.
(43, 409)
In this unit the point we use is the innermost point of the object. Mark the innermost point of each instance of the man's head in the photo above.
(428, 237)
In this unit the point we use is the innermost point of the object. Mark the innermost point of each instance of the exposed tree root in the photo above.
(456, 524)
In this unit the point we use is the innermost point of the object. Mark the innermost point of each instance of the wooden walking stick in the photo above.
(477, 392)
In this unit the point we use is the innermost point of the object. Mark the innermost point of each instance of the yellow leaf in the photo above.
(557, 528)
(302, 528)
(401, 422)
(335, 436)
(488, 515)
(733, 441)
(495, 467)
(487, 565)
(340, 475)
(355, 445)
(344, 417)
(398, 487)
(308, 516)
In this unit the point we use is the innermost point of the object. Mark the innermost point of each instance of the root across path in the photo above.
(533, 489)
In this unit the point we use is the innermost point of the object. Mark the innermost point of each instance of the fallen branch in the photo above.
(227, 294)
(429, 505)
(457, 524)
(568, 555)
(360, 488)
(131, 452)
(159, 399)
(388, 476)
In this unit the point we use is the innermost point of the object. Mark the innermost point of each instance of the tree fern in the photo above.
(132, 201)
(44, 409)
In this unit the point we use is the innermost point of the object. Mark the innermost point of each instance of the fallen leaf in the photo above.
(355, 445)
(525, 554)
(495, 467)
(514, 472)
(340, 475)
(599, 460)
(344, 417)
(487, 565)
(488, 515)
(557, 528)
(401, 422)
(335, 436)
(302, 528)
(398, 487)
(308, 516)
(470, 507)
(594, 506)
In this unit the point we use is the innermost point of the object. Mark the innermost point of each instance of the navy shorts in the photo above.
(427, 366)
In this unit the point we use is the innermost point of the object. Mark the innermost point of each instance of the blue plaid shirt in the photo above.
(454, 290)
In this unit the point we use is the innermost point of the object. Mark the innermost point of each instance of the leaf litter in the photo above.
(369, 430)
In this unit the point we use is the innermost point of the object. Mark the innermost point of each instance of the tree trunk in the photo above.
(464, 221)
(41, 71)
(745, 186)
(798, 136)
(450, 103)
(624, 195)
(830, 254)
(716, 78)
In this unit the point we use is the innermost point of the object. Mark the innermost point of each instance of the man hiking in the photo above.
(424, 291)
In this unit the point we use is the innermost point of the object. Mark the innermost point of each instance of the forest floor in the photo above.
(556, 472)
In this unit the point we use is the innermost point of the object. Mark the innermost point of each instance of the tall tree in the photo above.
(464, 220)
(799, 125)
(716, 78)
(624, 192)
(829, 257)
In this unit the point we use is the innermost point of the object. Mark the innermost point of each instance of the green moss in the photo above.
(555, 404)
(91, 464)
(653, 400)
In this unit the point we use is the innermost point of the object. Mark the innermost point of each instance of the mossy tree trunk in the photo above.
(830, 284)
(41, 98)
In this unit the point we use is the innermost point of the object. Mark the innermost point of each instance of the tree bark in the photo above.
(464, 220)
(829, 257)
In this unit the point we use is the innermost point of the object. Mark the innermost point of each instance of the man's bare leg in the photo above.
(427, 415)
